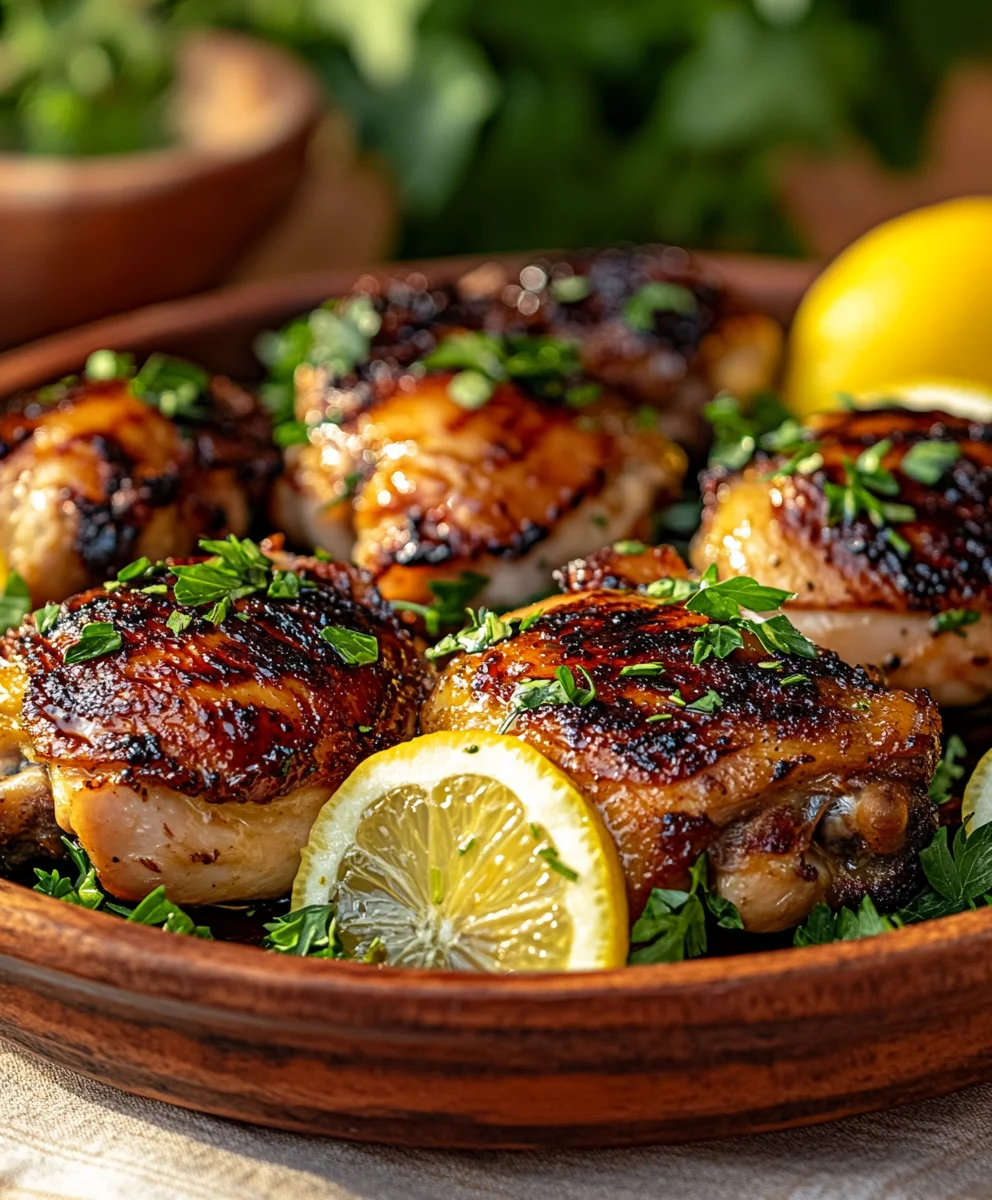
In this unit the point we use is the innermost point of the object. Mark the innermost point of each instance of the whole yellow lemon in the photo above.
(910, 299)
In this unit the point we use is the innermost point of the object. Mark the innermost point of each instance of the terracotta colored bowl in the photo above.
(666, 1053)
(80, 238)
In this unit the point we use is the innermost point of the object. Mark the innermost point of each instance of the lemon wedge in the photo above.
(467, 851)
(976, 804)
(961, 397)
(908, 300)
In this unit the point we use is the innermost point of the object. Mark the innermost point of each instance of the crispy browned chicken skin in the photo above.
(417, 488)
(801, 791)
(859, 591)
(91, 477)
(199, 760)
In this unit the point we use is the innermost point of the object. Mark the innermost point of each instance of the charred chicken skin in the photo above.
(804, 782)
(415, 487)
(197, 759)
(92, 477)
(901, 578)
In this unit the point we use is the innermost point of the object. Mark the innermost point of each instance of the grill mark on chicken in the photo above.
(749, 781)
(240, 713)
(92, 477)
(948, 565)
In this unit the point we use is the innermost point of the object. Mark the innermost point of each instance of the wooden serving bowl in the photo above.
(666, 1053)
(84, 237)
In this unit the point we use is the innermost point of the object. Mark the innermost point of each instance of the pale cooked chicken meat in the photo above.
(198, 760)
(800, 789)
(913, 595)
(416, 487)
(92, 477)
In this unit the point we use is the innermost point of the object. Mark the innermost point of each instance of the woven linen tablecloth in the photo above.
(64, 1136)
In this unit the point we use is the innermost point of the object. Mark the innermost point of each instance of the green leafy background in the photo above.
(532, 122)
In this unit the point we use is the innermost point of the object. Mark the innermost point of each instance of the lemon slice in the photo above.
(961, 397)
(976, 804)
(467, 851)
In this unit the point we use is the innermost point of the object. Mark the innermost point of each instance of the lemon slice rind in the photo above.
(595, 900)
(976, 804)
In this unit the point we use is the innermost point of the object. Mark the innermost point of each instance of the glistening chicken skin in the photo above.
(92, 477)
(912, 595)
(199, 759)
(800, 789)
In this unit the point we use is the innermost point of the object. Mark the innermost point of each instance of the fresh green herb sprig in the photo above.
(823, 925)
(672, 926)
(866, 484)
(928, 462)
(311, 932)
(45, 618)
(958, 874)
(737, 436)
(451, 597)
(175, 387)
(15, 602)
(954, 620)
(337, 336)
(949, 770)
(485, 629)
(96, 639)
(85, 892)
(355, 649)
(536, 693)
(725, 602)
(659, 296)
(482, 361)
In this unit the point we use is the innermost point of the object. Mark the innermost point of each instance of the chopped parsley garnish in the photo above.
(549, 852)
(709, 702)
(45, 618)
(337, 336)
(655, 297)
(959, 874)
(535, 693)
(485, 629)
(846, 925)
(450, 599)
(790, 679)
(85, 892)
(629, 546)
(178, 621)
(96, 639)
(570, 289)
(15, 602)
(723, 603)
(718, 640)
(549, 365)
(236, 569)
(309, 932)
(644, 670)
(737, 436)
(867, 481)
(108, 364)
(671, 591)
(949, 770)
(954, 620)
(355, 649)
(173, 386)
(659, 717)
(927, 462)
(672, 926)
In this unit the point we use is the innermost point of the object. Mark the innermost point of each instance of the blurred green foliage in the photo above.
(83, 76)
(515, 123)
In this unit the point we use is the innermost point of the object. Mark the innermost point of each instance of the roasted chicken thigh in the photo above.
(192, 747)
(93, 476)
(803, 778)
(883, 532)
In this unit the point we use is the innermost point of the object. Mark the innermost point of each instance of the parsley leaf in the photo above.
(736, 436)
(866, 481)
(709, 702)
(953, 620)
(355, 649)
(927, 462)
(96, 639)
(958, 874)
(535, 693)
(45, 618)
(846, 925)
(672, 926)
(15, 602)
(173, 386)
(450, 598)
(671, 591)
(723, 603)
(657, 296)
(107, 364)
(308, 932)
(485, 630)
(644, 670)
(949, 770)
(718, 640)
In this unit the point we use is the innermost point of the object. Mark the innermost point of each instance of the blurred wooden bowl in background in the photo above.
(83, 238)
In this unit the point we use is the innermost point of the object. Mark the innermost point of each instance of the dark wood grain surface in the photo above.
(667, 1053)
